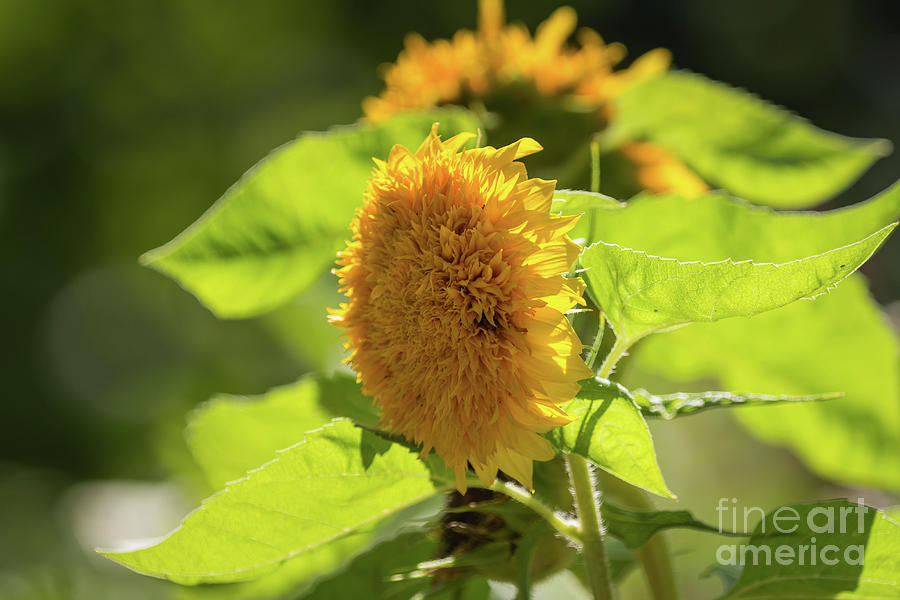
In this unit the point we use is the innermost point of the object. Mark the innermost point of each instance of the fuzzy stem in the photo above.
(615, 353)
(587, 505)
(654, 554)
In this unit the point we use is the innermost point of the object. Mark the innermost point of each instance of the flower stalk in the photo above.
(591, 527)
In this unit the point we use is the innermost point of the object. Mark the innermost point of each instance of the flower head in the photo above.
(456, 301)
(473, 65)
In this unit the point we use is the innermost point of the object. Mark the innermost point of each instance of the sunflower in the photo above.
(503, 68)
(472, 65)
(456, 300)
(657, 170)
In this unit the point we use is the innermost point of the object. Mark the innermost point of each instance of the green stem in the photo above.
(522, 495)
(657, 564)
(591, 527)
(615, 353)
(654, 554)
(598, 339)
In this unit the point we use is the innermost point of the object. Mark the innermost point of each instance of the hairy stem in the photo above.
(654, 554)
(591, 527)
(615, 353)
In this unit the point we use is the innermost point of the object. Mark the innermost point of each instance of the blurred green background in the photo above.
(120, 123)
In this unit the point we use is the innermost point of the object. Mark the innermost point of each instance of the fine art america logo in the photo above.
(823, 534)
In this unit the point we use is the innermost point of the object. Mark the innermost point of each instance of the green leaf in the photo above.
(590, 205)
(336, 481)
(727, 574)
(635, 527)
(300, 575)
(229, 435)
(870, 536)
(293, 576)
(718, 226)
(370, 574)
(675, 405)
(743, 144)
(840, 342)
(640, 293)
(277, 229)
(526, 550)
(610, 431)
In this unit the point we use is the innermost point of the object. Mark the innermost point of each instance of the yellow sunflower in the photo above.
(474, 64)
(456, 301)
(658, 171)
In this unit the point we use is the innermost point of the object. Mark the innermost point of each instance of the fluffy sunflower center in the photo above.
(445, 289)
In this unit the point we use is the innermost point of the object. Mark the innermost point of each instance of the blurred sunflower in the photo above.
(455, 319)
(524, 84)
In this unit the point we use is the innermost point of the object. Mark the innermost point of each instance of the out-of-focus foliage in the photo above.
(739, 143)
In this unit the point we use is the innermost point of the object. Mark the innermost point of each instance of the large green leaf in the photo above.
(301, 574)
(278, 228)
(229, 435)
(337, 480)
(294, 576)
(640, 293)
(743, 144)
(718, 226)
(773, 567)
(610, 431)
(839, 342)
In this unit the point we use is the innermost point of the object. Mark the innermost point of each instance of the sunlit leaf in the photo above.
(277, 229)
(337, 480)
(588, 204)
(856, 549)
(298, 576)
(640, 293)
(741, 143)
(610, 431)
(718, 226)
(839, 343)
(294, 576)
(229, 435)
